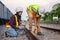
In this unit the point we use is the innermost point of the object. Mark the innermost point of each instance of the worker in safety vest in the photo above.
(34, 13)
(14, 23)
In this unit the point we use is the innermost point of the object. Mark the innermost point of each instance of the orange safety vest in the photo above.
(8, 23)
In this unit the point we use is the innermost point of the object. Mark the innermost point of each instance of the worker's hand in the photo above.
(23, 24)
(17, 26)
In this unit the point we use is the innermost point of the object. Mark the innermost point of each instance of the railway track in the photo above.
(30, 36)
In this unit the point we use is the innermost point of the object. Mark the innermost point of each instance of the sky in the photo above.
(13, 4)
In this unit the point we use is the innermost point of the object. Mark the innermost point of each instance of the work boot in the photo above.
(30, 29)
(39, 33)
(6, 34)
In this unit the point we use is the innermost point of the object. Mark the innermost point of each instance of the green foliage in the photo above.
(56, 10)
(49, 15)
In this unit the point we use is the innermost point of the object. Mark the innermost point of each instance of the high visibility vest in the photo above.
(8, 24)
(36, 7)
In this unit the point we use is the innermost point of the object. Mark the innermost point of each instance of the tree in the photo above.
(56, 10)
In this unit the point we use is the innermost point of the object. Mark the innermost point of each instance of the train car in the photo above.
(5, 14)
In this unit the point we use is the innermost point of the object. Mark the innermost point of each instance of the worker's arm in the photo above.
(34, 17)
(35, 21)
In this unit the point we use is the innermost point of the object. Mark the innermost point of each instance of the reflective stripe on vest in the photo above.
(16, 21)
(8, 25)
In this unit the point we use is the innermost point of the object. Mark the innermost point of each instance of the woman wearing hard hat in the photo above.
(33, 12)
(14, 23)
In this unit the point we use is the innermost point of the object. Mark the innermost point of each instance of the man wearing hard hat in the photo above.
(34, 13)
(14, 23)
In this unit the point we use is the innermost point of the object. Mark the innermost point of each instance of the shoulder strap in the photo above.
(16, 21)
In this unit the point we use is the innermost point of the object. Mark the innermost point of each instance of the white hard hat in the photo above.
(41, 10)
(19, 9)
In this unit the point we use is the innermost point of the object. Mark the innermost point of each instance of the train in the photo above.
(5, 14)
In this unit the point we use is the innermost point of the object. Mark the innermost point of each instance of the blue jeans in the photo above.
(11, 32)
(14, 32)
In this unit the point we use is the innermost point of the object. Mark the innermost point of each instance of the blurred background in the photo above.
(51, 12)
(49, 23)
